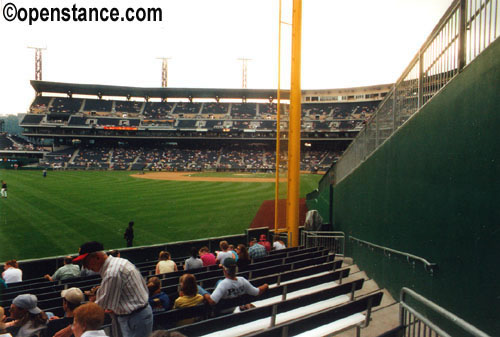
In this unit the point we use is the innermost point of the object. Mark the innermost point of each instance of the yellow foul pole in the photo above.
(292, 205)
(278, 131)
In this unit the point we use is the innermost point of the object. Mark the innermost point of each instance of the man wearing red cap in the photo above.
(123, 291)
(263, 241)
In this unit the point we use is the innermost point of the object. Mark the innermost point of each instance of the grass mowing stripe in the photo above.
(53, 216)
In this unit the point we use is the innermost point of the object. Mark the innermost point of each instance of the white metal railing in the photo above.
(416, 324)
(467, 28)
(429, 266)
(333, 241)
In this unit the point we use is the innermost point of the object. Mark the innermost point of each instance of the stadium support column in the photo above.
(292, 204)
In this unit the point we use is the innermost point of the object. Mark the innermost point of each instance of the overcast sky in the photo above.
(345, 43)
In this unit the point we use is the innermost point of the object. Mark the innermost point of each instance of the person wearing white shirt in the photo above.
(12, 272)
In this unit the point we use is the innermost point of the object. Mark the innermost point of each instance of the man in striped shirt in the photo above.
(123, 291)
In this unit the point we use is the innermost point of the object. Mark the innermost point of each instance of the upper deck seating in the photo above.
(40, 104)
(128, 107)
(66, 105)
(215, 109)
(158, 110)
(243, 110)
(187, 108)
(98, 105)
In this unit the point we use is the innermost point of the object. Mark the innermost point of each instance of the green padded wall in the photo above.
(433, 190)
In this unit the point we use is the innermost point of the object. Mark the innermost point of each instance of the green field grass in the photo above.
(54, 216)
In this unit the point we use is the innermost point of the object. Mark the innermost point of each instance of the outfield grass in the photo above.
(54, 216)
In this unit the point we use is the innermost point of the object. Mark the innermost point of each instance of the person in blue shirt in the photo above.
(158, 300)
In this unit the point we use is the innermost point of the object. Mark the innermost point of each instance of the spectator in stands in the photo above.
(2, 320)
(27, 316)
(243, 257)
(278, 243)
(233, 286)
(256, 250)
(263, 241)
(207, 257)
(67, 271)
(114, 252)
(189, 295)
(129, 234)
(72, 298)
(158, 300)
(193, 262)
(12, 273)
(224, 253)
(88, 319)
(231, 249)
(3, 285)
(123, 291)
(87, 272)
(165, 264)
(4, 189)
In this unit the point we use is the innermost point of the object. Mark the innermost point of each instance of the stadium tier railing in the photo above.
(410, 258)
(333, 241)
(467, 28)
(414, 311)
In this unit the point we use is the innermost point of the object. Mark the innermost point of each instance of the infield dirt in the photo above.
(190, 176)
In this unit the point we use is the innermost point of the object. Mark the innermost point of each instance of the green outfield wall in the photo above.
(433, 190)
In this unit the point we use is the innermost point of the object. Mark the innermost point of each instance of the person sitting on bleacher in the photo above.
(224, 253)
(12, 273)
(72, 299)
(193, 262)
(190, 294)
(89, 318)
(207, 257)
(278, 243)
(243, 257)
(158, 300)
(2, 320)
(165, 264)
(256, 250)
(233, 286)
(28, 318)
(69, 270)
(263, 241)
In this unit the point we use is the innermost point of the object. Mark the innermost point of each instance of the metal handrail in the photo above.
(443, 312)
(429, 266)
(446, 52)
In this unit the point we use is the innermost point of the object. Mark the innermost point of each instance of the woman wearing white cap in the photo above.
(28, 317)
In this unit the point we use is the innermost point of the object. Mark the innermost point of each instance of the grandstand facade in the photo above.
(110, 127)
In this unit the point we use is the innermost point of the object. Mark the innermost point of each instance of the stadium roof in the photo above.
(114, 90)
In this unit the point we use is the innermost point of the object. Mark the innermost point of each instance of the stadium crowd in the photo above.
(178, 159)
(125, 300)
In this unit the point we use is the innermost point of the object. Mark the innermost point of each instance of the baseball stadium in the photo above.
(385, 196)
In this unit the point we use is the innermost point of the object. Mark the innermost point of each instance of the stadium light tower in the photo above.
(38, 62)
(164, 71)
(245, 71)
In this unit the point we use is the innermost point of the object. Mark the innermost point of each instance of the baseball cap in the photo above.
(88, 248)
(27, 302)
(263, 237)
(73, 295)
(229, 262)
